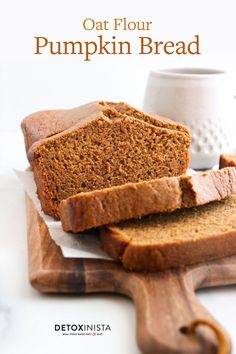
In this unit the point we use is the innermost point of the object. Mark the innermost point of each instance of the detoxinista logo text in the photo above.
(82, 329)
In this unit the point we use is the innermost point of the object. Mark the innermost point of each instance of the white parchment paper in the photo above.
(81, 245)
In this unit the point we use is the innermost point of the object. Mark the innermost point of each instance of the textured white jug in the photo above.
(201, 99)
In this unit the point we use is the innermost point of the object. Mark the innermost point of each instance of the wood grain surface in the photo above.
(165, 301)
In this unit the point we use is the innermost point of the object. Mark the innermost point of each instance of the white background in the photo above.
(29, 83)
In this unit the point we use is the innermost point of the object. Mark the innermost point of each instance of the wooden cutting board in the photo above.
(165, 301)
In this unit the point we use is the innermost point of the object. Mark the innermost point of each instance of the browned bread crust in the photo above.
(97, 146)
(44, 124)
(184, 237)
(134, 200)
(227, 160)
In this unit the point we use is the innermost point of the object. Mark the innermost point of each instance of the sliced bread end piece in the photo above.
(227, 161)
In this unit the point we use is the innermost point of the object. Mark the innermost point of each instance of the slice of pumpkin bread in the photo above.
(180, 238)
(134, 200)
(227, 160)
(103, 147)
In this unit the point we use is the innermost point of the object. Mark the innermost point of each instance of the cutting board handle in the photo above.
(170, 319)
(165, 301)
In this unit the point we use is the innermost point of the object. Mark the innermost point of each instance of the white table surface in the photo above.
(27, 318)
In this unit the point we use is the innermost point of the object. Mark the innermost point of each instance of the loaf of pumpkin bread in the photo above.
(134, 200)
(100, 145)
(183, 237)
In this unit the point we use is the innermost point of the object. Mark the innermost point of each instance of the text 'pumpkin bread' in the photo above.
(133, 200)
(100, 145)
(183, 237)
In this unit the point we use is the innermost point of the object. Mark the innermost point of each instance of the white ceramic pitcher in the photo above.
(203, 100)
